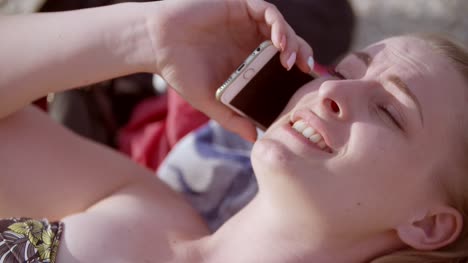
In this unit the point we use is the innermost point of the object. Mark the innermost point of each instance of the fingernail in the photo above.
(291, 60)
(311, 63)
(259, 133)
(283, 43)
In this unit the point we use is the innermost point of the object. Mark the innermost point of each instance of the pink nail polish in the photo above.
(311, 63)
(291, 60)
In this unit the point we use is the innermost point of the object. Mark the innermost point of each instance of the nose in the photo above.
(335, 96)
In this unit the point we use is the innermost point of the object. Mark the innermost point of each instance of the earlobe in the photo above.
(438, 228)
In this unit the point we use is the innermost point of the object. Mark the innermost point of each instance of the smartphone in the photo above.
(261, 87)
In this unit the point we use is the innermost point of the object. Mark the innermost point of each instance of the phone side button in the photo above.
(249, 73)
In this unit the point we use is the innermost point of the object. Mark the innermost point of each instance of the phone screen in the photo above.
(268, 92)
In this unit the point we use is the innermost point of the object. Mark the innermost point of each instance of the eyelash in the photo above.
(389, 115)
(334, 73)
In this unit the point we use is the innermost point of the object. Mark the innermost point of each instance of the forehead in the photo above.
(438, 86)
(408, 52)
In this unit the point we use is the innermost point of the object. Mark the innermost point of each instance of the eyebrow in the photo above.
(367, 60)
(404, 88)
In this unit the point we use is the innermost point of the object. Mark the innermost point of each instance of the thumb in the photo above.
(238, 124)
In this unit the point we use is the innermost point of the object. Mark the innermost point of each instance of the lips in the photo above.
(309, 126)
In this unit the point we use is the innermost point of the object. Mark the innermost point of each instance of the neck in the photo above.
(253, 235)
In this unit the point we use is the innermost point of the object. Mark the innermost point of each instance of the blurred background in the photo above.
(375, 18)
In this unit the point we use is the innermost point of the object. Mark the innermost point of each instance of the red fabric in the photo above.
(156, 125)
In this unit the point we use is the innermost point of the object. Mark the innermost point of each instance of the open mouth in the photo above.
(311, 134)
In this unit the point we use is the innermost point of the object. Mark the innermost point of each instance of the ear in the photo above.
(438, 228)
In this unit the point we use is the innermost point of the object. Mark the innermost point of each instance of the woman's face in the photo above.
(371, 146)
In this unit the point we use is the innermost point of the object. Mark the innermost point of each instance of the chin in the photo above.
(272, 156)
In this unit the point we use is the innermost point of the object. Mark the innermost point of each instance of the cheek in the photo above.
(374, 149)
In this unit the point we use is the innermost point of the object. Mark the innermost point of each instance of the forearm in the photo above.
(45, 53)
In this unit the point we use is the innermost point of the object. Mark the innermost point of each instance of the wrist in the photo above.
(132, 42)
(154, 30)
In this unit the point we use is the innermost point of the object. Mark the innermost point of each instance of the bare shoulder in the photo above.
(135, 224)
(111, 207)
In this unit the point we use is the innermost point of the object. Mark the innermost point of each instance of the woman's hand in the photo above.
(199, 43)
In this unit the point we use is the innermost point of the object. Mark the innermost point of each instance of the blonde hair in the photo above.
(457, 252)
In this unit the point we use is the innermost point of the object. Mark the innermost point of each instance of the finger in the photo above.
(305, 60)
(236, 123)
(265, 30)
(263, 12)
(282, 35)
(243, 127)
(290, 51)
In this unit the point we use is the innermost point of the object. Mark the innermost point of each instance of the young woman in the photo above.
(363, 165)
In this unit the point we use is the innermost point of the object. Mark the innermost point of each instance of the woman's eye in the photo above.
(334, 73)
(390, 116)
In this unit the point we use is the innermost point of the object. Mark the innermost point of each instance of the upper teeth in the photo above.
(310, 133)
